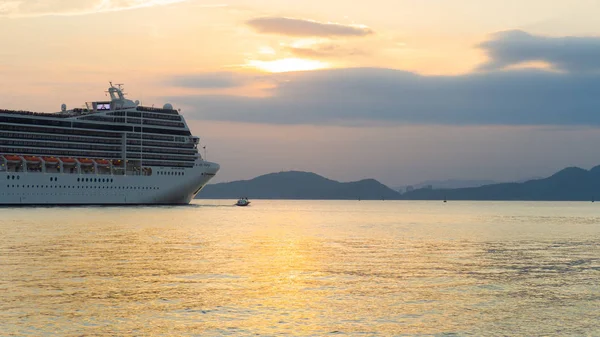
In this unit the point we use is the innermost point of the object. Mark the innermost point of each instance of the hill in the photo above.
(446, 184)
(570, 184)
(299, 185)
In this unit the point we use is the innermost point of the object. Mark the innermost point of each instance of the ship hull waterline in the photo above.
(56, 189)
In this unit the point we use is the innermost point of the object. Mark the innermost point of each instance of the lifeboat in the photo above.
(32, 159)
(51, 160)
(117, 162)
(85, 161)
(68, 160)
(102, 162)
(13, 158)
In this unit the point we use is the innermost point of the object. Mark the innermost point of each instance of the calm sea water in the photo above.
(306, 268)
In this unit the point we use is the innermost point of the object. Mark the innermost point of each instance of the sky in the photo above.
(402, 91)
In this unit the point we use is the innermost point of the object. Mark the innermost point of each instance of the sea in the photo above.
(302, 268)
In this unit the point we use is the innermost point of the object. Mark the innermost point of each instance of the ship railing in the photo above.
(37, 114)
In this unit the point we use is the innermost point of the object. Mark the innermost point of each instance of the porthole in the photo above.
(18, 177)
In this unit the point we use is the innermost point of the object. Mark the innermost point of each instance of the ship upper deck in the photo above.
(118, 102)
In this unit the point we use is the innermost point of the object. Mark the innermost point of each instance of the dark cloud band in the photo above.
(571, 54)
(355, 96)
(305, 28)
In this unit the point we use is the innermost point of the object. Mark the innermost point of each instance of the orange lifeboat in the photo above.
(117, 162)
(51, 160)
(13, 158)
(85, 161)
(32, 159)
(68, 160)
(102, 162)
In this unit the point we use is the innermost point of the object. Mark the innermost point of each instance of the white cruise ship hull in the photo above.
(173, 186)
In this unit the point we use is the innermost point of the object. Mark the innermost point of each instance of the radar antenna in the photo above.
(120, 87)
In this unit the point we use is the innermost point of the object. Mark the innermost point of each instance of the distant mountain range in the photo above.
(450, 183)
(298, 185)
(570, 184)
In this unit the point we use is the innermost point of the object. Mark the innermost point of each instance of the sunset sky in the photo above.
(397, 90)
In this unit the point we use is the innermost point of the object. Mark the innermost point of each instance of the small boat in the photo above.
(13, 159)
(102, 162)
(85, 161)
(68, 160)
(32, 159)
(242, 202)
(51, 160)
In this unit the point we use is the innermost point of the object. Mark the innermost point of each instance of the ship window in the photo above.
(18, 177)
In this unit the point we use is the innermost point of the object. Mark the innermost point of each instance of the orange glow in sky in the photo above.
(287, 65)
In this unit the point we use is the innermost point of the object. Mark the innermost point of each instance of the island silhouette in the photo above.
(569, 184)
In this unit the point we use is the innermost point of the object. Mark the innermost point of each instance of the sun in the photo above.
(287, 65)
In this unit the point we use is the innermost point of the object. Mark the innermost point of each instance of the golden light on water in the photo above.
(287, 65)
(309, 268)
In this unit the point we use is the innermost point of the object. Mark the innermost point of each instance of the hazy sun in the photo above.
(287, 64)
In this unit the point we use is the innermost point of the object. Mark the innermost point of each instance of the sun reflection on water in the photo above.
(299, 268)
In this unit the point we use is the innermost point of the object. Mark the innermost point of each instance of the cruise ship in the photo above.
(110, 152)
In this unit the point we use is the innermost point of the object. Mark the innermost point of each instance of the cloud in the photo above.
(323, 50)
(305, 28)
(569, 54)
(366, 96)
(217, 80)
(33, 8)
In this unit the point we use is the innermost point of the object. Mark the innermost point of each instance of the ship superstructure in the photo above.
(110, 152)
